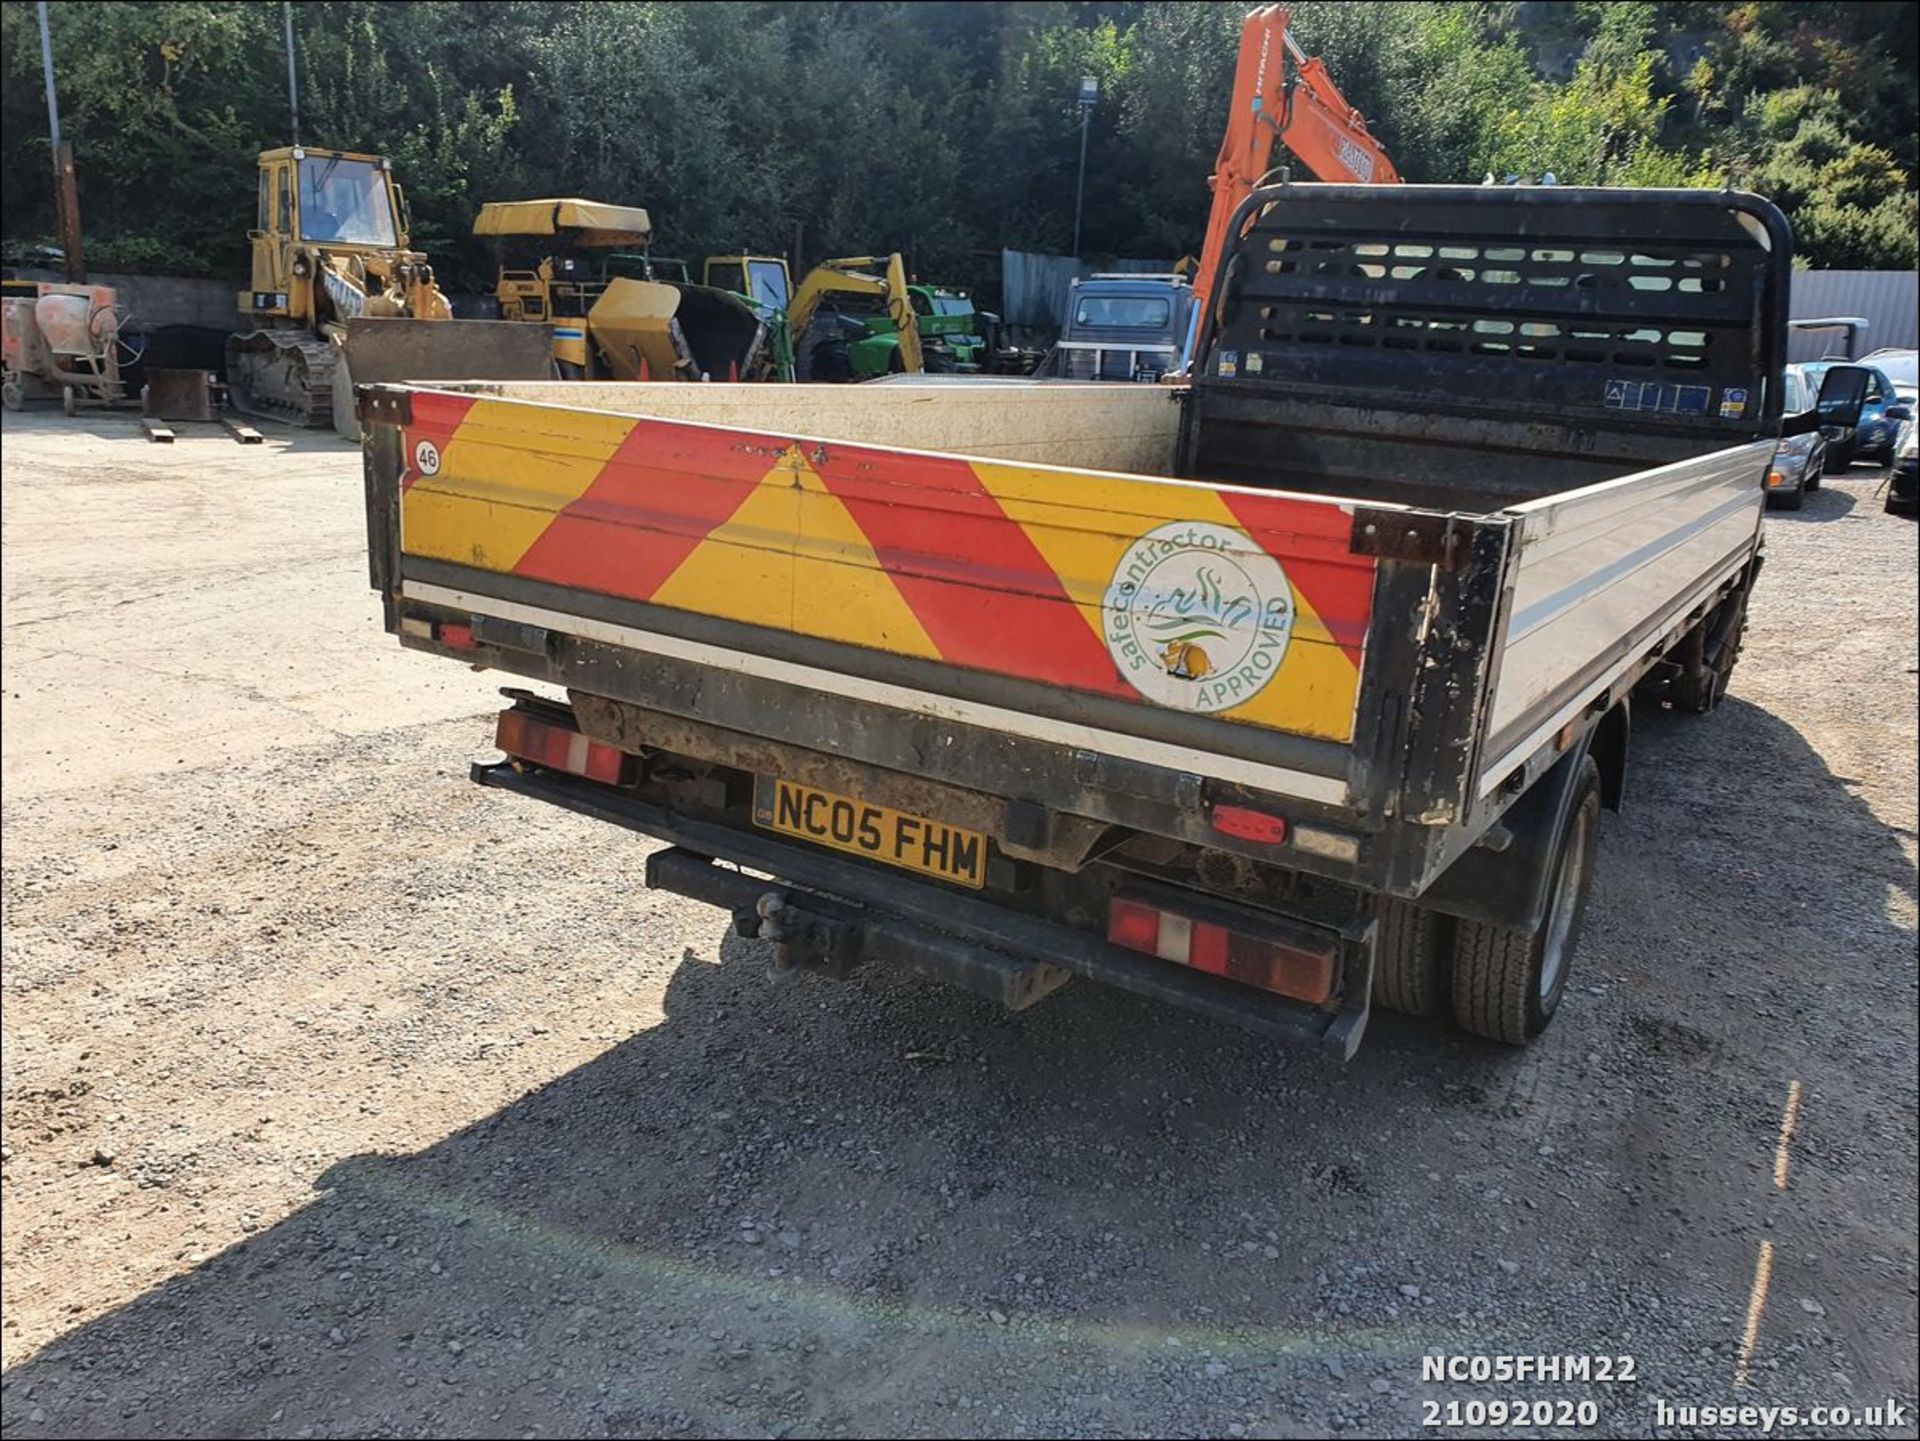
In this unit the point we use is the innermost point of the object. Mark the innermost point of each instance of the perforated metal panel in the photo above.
(1631, 309)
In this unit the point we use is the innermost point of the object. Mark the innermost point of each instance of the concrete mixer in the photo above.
(63, 340)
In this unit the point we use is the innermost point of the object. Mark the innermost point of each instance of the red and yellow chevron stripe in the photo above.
(991, 566)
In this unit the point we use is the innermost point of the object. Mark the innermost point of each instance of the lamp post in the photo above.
(293, 86)
(1089, 93)
(66, 193)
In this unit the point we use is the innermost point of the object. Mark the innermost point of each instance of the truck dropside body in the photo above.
(1173, 687)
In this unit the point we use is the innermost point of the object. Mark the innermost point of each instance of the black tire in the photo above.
(1502, 986)
(1699, 688)
(1839, 458)
(1699, 692)
(1406, 958)
(831, 362)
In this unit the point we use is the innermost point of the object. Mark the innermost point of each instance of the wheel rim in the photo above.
(1566, 901)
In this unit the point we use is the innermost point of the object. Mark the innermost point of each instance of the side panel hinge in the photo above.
(1417, 537)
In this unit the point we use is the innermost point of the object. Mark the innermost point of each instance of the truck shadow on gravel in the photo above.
(884, 1206)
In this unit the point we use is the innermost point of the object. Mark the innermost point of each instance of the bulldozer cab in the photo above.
(333, 202)
(332, 198)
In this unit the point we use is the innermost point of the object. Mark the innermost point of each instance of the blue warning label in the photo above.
(1658, 396)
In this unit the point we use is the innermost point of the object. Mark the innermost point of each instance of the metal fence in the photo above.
(1888, 300)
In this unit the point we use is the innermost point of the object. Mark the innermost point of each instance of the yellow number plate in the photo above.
(914, 843)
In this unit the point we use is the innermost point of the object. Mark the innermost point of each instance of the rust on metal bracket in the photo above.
(382, 405)
(1417, 537)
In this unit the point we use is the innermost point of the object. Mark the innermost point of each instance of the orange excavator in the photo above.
(1303, 110)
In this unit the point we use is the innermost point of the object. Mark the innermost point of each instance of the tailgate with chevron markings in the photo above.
(1237, 604)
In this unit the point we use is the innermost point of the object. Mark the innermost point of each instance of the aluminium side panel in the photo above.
(1602, 573)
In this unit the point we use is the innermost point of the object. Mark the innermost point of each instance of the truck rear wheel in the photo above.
(1507, 982)
(1406, 958)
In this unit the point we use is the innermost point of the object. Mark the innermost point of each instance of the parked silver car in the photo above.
(1799, 459)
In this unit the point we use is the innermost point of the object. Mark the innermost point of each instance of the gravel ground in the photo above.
(344, 1098)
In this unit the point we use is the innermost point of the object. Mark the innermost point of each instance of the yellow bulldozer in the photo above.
(338, 298)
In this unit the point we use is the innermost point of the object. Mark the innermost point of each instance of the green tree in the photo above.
(941, 127)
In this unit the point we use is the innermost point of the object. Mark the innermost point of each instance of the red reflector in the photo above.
(1248, 825)
(1134, 926)
(1302, 973)
(453, 633)
(527, 737)
(1209, 949)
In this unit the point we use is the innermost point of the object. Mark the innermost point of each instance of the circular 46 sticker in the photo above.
(426, 458)
(1198, 616)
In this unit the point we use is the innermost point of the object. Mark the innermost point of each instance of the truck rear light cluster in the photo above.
(1334, 845)
(529, 737)
(1302, 973)
(1268, 828)
(455, 633)
(1248, 824)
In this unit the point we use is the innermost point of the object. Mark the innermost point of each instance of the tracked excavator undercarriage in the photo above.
(283, 375)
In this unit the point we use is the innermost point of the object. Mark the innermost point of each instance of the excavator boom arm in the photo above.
(1329, 135)
(1304, 112)
(853, 275)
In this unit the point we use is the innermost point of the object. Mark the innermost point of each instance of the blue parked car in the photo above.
(1873, 438)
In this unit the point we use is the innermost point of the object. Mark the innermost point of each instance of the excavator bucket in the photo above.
(381, 351)
(722, 331)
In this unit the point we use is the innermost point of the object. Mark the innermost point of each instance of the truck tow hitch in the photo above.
(802, 937)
